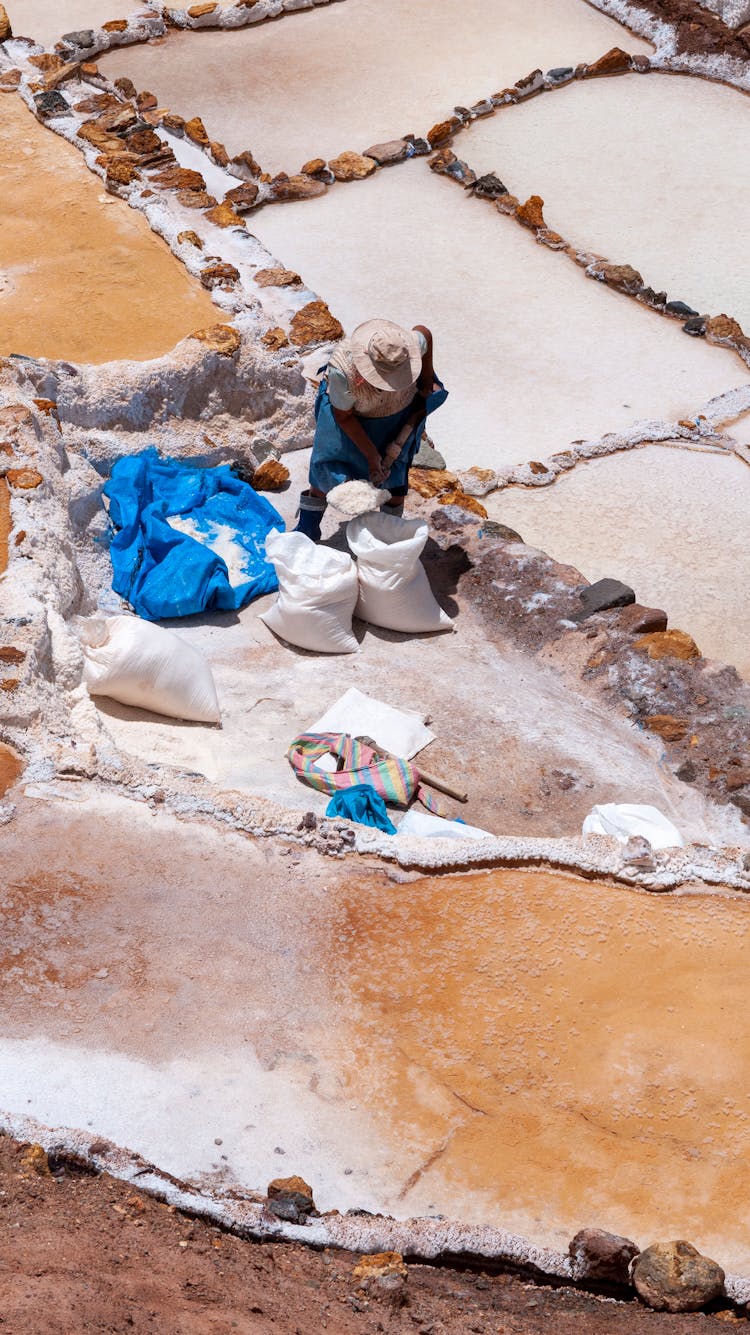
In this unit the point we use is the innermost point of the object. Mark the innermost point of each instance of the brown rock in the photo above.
(290, 1198)
(172, 122)
(736, 778)
(24, 479)
(89, 69)
(441, 132)
(223, 215)
(180, 178)
(669, 728)
(56, 77)
(196, 130)
(126, 86)
(34, 1161)
(546, 237)
(221, 338)
(47, 62)
(219, 274)
(99, 102)
(115, 25)
(245, 165)
(242, 197)
(191, 237)
(314, 324)
(10, 683)
(456, 496)
(271, 476)
(146, 101)
(9, 654)
(94, 133)
(275, 338)
(314, 166)
(5, 29)
(638, 620)
(195, 199)
(120, 170)
(394, 150)
(379, 1266)
(219, 153)
(530, 213)
(430, 482)
(669, 644)
(598, 1255)
(296, 187)
(537, 467)
(199, 11)
(145, 141)
(615, 61)
(352, 166)
(277, 278)
(9, 80)
(721, 327)
(622, 276)
(46, 406)
(674, 1277)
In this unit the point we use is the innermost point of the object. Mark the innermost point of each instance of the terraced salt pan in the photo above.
(669, 191)
(82, 276)
(503, 1048)
(47, 20)
(534, 354)
(675, 524)
(351, 75)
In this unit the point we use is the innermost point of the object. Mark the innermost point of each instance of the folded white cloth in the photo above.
(621, 820)
(403, 734)
(422, 825)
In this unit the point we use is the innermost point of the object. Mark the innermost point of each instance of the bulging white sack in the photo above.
(143, 665)
(394, 591)
(622, 820)
(317, 595)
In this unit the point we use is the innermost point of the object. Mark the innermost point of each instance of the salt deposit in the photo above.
(85, 276)
(675, 524)
(5, 523)
(533, 354)
(294, 91)
(357, 498)
(681, 228)
(47, 20)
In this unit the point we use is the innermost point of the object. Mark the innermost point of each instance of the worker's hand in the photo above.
(377, 472)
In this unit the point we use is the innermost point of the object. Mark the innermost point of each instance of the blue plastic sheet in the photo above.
(164, 573)
(363, 805)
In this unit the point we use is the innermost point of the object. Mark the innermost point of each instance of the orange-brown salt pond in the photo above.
(82, 276)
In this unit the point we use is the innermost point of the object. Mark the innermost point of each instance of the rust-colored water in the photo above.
(556, 1053)
(4, 523)
(82, 276)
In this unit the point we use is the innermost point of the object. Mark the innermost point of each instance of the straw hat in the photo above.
(386, 356)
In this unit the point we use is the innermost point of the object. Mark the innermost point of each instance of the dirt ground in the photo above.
(88, 1253)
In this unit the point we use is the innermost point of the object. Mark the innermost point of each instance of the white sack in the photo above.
(622, 820)
(145, 666)
(401, 733)
(423, 825)
(317, 595)
(394, 591)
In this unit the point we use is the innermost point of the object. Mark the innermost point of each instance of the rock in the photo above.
(144, 142)
(175, 124)
(219, 274)
(49, 105)
(596, 1254)
(669, 728)
(270, 476)
(286, 188)
(24, 479)
(219, 153)
(221, 338)
(83, 37)
(721, 327)
(427, 456)
(314, 167)
(290, 1198)
(530, 84)
(200, 11)
(429, 482)
(146, 101)
(277, 278)
(380, 1266)
(6, 30)
(492, 529)
(668, 644)
(352, 166)
(456, 496)
(440, 133)
(195, 199)
(638, 854)
(9, 654)
(242, 197)
(446, 163)
(47, 62)
(674, 1277)
(483, 108)
(180, 178)
(488, 187)
(275, 338)
(561, 74)
(418, 148)
(653, 298)
(680, 308)
(244, 165)
(640, 62)
(638, 620)
(191, 238)
(622, 276)
(603, 594)
(615, 61)
(223, 215)
(314, 324)
(120, 171)
(546, 237)
(196, 130)
(478, 481)
(394, 150)
(530, 213)
(34, 1161)
(9, 80)
(695, 326)
(126, 87)
(116, 25)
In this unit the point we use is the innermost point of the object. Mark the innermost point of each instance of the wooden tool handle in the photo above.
(429, 779)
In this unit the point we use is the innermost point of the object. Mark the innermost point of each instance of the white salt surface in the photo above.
(222, 539)
(676, 530)
(534, 354)
(670, 193)
(351, 75)
(47, 20)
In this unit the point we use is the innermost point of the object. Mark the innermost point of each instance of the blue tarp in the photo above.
(165, 573)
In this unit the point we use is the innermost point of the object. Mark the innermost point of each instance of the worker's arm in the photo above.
(426, 380)
(352, 427)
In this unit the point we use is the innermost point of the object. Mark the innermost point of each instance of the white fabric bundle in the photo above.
(394, 591)
(317, 595)
(622, 820)
(143, 665)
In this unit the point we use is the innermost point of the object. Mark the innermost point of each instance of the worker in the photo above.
(375, 395)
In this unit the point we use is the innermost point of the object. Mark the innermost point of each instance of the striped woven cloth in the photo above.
(396, 780)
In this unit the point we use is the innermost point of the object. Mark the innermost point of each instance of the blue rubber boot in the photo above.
(310, 515)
